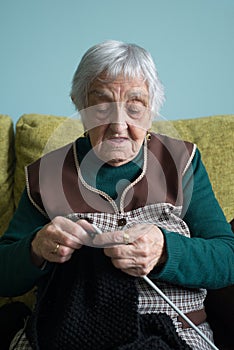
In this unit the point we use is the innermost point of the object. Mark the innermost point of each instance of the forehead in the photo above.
(120, 84)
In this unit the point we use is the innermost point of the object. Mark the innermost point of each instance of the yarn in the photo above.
(91, 305)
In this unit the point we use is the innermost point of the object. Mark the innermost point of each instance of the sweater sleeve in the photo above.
(206, 259)
(18, 273)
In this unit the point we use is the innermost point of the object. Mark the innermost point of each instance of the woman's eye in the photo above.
(102, 108)
(135, 110)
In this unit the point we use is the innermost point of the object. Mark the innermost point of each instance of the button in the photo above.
(122, 222)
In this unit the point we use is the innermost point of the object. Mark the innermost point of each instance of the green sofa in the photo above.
(36, 134)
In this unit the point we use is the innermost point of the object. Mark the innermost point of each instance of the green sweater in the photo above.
(205, 260)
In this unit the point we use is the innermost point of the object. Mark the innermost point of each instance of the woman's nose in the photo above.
(118, 127)
(118, 120)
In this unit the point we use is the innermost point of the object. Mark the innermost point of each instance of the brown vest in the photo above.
(55, 186)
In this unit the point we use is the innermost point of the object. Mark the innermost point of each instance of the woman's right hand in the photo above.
(56, 241)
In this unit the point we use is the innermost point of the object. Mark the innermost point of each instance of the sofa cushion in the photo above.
(6, 171)
(214, 138)
(37, 134)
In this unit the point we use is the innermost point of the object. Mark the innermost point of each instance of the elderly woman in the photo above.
(118, 204)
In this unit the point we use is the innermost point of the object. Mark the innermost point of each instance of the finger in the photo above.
(53, 252)
(89, 228)
(68, 228)
(141, 270)
(141, 247)
(123, 264)
(51, 244)
(120, 251)
(65, 240)
(136, 272)
(79, 232)
(130, 267)
(112, 239)
(127, 236)
(62, 253)
(134, 262)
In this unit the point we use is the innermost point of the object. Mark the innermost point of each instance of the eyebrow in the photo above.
(137, 94)
(131, 94)
(100, 93)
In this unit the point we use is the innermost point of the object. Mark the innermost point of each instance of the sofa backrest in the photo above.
(37, 134)
(6, 171)
(214, 136)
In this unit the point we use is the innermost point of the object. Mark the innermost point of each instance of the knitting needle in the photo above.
(158, 290)
(97, 229)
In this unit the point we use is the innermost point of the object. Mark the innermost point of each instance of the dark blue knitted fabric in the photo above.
(90, 305)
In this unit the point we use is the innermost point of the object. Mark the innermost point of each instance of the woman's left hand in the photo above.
(135, 251)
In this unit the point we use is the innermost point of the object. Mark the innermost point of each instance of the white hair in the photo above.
(115, 58)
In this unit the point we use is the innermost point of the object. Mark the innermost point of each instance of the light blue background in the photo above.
(42, 41)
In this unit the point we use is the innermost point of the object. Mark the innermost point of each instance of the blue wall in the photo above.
(42, 41)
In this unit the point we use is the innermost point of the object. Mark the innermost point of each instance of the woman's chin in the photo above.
(115, 158)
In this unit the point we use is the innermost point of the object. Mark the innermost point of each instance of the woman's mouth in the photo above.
(117, 140)
(117, 137)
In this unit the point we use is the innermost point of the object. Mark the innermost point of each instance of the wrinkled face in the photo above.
(117, 118)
